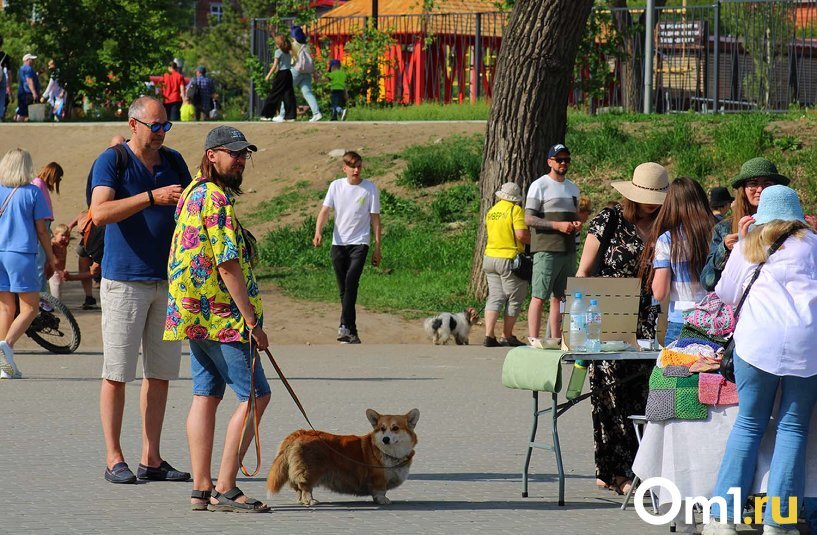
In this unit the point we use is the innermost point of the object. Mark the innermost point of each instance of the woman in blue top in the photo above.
(676, 252)
(282, 89)
(23, 211)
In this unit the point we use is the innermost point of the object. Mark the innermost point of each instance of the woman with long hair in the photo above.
(23, 212)
(282, 89)
(676, 251)
(774, 355)
(755, 175)
(613, 247)
(47, 180)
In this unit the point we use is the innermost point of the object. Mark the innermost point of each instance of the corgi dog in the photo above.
(367, 465)
(445, 326)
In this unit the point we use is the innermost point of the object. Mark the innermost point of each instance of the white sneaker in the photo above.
(768, 529)
(278, 119)
(17, 375)
(716, 528)
(265, 119)
(7, 359)
(315, 118)
(343, 115)
(343, 334)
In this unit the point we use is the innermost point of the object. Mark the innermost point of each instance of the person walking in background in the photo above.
(755, 175)
(550, 210)
(5, 82)
(337, 87)
(303, 71)
(720, 202)
(507, 235)
(676, 251)
(282, 89)
(53, 91)
(23, 211)
(774, 354)
(613, 247)
(356, 203)
(173, 91)
(28, 88)
(200, 92)
(47, 180)
(210, 261)
(137, 208)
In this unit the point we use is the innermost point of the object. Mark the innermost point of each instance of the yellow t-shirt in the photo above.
(501, 233)
(207, 234)
(188, 113)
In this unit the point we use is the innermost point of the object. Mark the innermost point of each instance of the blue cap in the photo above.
(334, 63)
(778, 202)
(556, 149)
(298, 34)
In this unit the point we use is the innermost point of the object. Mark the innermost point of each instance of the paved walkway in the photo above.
(465, 478)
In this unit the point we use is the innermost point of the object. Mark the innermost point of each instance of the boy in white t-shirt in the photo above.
(356, 203)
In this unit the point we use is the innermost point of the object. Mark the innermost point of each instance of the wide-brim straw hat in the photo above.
(648, 186)
(510, 191)
(759, 168)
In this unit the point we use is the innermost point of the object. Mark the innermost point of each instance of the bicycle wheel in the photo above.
(55, 328)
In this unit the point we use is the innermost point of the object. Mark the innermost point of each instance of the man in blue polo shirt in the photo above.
(28, 91)
(136, 205)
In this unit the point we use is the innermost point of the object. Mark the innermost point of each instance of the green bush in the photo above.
(458, 203)
(450, 160)
(398, 207)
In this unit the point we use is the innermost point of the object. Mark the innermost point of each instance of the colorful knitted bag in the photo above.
(674, 397)
(712, 316)
(713, 389)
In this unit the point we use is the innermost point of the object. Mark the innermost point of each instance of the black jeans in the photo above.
(281, 91)
(348, 261)
(174, 111)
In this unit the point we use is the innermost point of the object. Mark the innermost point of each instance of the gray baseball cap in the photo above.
(228, 137)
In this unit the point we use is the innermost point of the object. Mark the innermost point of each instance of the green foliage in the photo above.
(592, 69)
(395, 207)
(105, 49)
(789, 143)
(459, 203)
(366, 51)
(449, 160)
(292, 198)
(427, 111)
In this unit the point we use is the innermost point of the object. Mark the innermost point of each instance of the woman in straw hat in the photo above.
(615, 241)
(755, 175)
(773, 351)
(507, 236)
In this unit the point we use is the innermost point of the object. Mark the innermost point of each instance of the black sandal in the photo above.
(200, 495)
(227, 504)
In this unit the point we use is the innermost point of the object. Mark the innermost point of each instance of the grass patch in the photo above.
(449, 160)
(429, 111)
(290, 199)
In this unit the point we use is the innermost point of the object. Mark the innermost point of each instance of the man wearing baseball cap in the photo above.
(28, 91)
(211, 262)
(550, 211)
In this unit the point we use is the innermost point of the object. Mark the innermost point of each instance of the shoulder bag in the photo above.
(6, 202)
(727, 368)
(522, 263)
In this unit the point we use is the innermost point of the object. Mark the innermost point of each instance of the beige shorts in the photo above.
(133, 317)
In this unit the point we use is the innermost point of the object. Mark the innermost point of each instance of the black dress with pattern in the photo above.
(613, 400)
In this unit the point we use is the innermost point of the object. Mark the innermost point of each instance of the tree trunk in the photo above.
(529, 110)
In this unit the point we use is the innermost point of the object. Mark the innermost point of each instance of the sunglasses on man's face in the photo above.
(236, 154)
(561, 160)
(156, 127)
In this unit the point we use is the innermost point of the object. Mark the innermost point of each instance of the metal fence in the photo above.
(732, 55)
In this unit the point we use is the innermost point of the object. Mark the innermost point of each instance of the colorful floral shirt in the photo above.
(207, 234)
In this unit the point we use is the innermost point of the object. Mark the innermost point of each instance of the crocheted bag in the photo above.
(712, 316)
(713, 389)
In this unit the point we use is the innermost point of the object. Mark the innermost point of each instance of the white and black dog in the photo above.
(445, 326)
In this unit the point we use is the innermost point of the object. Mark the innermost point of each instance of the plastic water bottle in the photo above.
(578, 323)
(594, 327)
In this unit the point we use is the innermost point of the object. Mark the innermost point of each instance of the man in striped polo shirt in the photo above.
(550, 212)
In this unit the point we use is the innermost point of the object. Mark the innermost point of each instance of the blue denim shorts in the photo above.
(214, 365)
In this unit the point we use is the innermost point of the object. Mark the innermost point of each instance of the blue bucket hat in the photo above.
(778, 202)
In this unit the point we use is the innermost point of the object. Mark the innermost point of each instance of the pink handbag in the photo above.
(712, 316)
(713, 389)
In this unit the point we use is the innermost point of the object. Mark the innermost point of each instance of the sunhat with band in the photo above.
(509, 192)
(648, 186)
(759, 168)
(779, 202)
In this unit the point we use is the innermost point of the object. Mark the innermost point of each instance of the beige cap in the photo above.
(28, 57)
(648, 186)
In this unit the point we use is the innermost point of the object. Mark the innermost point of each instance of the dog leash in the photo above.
(251, 409)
